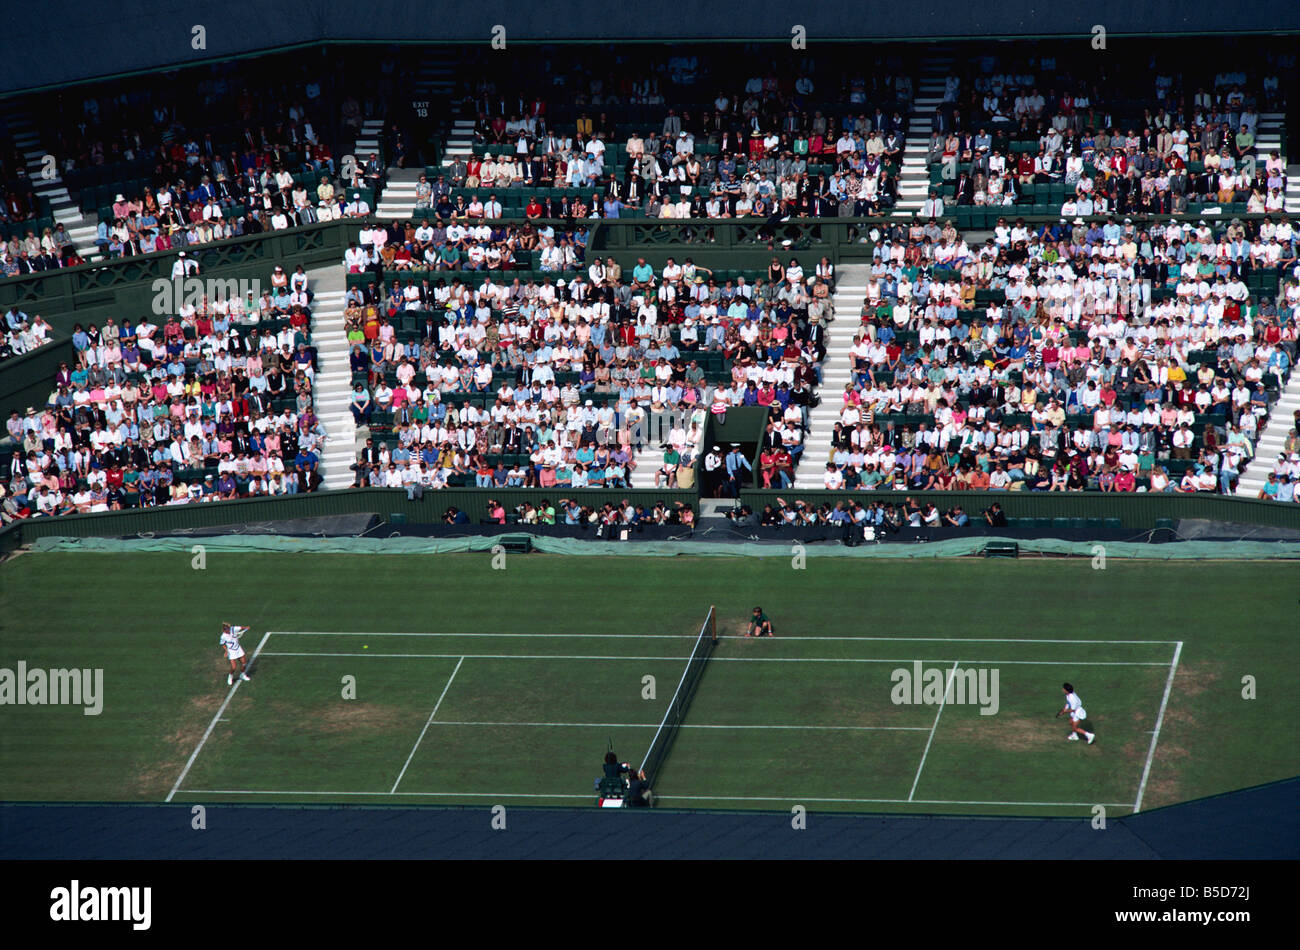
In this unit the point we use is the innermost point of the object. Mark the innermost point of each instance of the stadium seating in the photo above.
(1068, 357)
(217, 405)
(394, 333)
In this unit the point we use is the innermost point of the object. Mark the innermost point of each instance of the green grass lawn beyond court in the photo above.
(481, 686)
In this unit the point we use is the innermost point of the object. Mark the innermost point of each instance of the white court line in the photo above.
(493, 656)
(685, 725)
(215, 719)
(684, 798)
(725, 659)
(942, 700)
(426, 725)
(242, 791)
(695, 636)
(1155, 736)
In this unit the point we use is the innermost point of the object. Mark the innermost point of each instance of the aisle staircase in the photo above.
(333, 376)
(434, 79)
(81, 228)
(1280, 421)
(914, 176)
(837, 369)
(1268, 139)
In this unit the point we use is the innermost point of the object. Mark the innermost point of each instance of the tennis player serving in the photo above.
(234, 651)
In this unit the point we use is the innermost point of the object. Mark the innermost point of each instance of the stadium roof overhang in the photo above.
(49, 45)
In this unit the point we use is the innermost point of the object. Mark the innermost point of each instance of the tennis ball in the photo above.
(365, 646)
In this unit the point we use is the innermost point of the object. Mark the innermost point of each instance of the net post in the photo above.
(713, 624)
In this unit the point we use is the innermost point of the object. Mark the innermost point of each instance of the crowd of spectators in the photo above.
(779, 184)
(773, 145)
(573, 512)
(465, 243)
(1283, 478)
(1061, 358)
(221, 151)
(211, 402)
(883, 516)
(22, 333)
(574, 378)
(1011, 126)
(33, 254)
(223, 205)
(1141, 353)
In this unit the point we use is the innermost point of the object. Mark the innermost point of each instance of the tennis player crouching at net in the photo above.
(759, 625)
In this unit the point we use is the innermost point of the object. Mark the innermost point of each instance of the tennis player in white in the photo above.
(234, 651)
(1074, 706)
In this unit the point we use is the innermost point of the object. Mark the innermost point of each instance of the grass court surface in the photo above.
(477, 686)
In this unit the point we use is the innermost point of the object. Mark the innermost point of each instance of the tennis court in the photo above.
(470, 690)
(525, 718)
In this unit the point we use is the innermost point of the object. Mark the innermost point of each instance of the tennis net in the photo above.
(663, 740)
